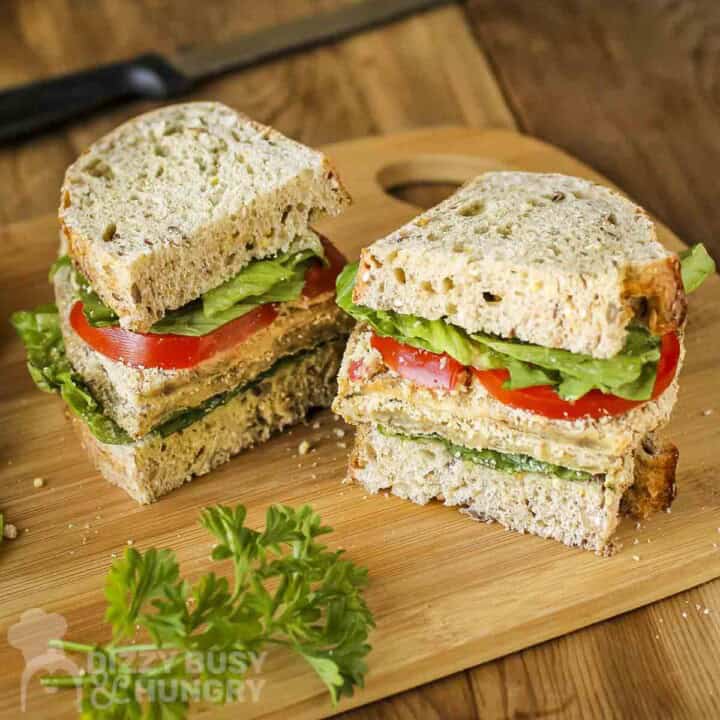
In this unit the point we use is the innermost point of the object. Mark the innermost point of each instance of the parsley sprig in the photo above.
(287, 590)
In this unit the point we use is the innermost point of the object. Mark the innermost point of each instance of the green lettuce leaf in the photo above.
(630, 374)
(695, 265)
(191, 320)
(278, 279)
(61, 262)
(433, 335)
(97, 313)
(624, 375)
(49, 367)
(504, 462)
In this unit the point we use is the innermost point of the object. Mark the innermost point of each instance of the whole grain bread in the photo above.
(546, 258)
(470, 416)
(176, 201)
(578, 513)
(139, 399)
(155, 465)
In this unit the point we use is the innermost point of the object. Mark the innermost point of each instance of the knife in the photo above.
(32, 108)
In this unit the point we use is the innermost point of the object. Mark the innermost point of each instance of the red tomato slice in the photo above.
(544, 400)
(320, 278)
(176, 352)
(440, 372)
(169, 352)
(443, 372)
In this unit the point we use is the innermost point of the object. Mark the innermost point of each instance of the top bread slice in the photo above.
(549, 259)
(177, 201)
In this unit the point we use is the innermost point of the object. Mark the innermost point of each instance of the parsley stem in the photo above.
(67, 680)
(120, 649)
(72, 646)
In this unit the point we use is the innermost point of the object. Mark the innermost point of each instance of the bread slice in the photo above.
(139, 399)
(469, 416)
(175, 202)
(553, 260)
(578, 513)
(155, 465)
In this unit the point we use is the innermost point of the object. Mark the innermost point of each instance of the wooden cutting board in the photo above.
(447, 593)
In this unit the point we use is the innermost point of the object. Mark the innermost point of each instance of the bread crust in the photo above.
(659, 289)
(654, 487)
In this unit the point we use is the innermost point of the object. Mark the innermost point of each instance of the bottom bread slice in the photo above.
(582, 513)
(155, 465)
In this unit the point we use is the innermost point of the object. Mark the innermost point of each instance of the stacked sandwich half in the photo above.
(195, 304)
(517, 350)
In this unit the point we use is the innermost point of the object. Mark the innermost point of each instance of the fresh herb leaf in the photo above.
(288, 591)
(695, 266)
(630, 374)
(133, 583)
(504, 462)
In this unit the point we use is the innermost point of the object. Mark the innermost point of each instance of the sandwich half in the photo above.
(195, 309)
(516, 354)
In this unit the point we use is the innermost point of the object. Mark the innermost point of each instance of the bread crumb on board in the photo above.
(38, 482)
(303, 448)
(10, 532)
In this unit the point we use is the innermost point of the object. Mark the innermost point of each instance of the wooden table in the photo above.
(630, 87)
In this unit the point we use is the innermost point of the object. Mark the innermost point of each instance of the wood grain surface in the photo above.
(629, 87)
(447, 593)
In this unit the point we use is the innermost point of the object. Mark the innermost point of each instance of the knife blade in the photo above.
(39, 106)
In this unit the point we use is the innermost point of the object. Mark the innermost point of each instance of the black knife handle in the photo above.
(48, 103)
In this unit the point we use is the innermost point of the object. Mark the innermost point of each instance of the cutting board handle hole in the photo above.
(426, 180)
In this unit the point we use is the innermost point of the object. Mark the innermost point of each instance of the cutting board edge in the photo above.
(441, 669)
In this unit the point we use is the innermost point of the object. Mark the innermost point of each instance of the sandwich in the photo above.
(516, 354)
(194, 311)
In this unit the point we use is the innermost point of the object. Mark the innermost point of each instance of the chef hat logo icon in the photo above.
(31, 636)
